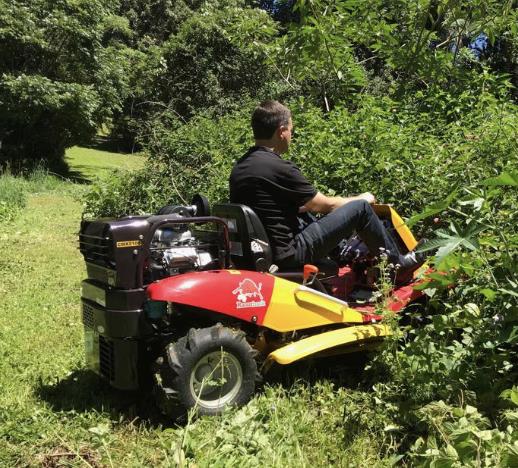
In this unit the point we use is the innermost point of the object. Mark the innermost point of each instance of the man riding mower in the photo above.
(191, 303)
(199, 304)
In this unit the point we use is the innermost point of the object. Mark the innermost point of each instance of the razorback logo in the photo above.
(246, 290)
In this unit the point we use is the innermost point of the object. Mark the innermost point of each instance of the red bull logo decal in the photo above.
(248, 294)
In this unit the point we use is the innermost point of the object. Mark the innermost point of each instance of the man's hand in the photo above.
(368, 197)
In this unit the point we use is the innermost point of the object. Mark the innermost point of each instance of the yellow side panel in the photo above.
(317, 343)
(386, 211)
(295, 307)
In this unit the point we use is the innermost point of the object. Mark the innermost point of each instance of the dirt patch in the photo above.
(64, 456)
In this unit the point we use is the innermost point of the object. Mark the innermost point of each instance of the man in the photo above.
(277, 191)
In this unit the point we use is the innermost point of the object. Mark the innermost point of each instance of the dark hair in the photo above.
(268, 117)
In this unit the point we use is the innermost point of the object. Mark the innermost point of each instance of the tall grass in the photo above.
(14, 190)
(12, 196)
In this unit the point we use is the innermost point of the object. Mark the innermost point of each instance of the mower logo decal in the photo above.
(130, 243)
(248, 294)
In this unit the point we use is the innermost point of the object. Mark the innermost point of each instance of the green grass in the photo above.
(54, 412)
(90, 163)
(14, 190)
(12, 197)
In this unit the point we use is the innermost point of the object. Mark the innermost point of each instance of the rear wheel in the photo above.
(209, 369)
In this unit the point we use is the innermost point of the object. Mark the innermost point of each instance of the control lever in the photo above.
(310, 273)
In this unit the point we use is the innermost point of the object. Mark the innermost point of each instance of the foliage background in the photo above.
(391, 96)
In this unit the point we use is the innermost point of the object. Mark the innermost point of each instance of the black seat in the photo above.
(249, 245)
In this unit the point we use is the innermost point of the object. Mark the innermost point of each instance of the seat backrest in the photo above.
(249, 245)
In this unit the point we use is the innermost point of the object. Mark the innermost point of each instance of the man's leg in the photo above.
(320, 237)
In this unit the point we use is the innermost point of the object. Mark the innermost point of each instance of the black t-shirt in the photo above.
(275, 189)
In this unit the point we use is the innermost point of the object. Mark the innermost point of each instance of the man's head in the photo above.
(272, 126)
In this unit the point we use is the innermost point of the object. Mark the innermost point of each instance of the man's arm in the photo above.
(320, 203)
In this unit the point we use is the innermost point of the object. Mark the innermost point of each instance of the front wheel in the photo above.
(209, 369)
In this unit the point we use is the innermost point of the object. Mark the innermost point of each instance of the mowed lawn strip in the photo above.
(53, 411)
(40, 330)
(91, 163)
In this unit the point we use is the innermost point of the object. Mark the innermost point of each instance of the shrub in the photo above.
(124, 193)
(381, 147)
(194, 158)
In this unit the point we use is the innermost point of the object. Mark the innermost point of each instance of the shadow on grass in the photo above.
(80, 174)
(84, 391)
(62, 170)
(112, 145)
(76, 177)
(345, 371)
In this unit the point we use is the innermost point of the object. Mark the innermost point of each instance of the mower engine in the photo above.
(175, 250)
(123, 256)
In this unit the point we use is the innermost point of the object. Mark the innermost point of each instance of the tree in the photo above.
(338, 50)
(60, 75)
(208, 60)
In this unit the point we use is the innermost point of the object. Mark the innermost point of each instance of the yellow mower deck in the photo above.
(327, 340)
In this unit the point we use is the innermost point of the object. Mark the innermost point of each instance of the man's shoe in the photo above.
(409, 263)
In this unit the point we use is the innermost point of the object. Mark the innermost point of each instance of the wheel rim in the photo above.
(216, 379)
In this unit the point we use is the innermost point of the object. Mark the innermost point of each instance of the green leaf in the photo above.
(506, 179)
(508, 292)
(101, 429)
(467, 237)
(512, 335)
(511, 394)
(489, 294)
(432, 244)
(433, 209)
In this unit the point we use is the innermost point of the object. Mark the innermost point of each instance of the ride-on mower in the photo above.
(190, 303)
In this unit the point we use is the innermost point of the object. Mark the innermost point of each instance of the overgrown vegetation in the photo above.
(412, 100)
(451, 381)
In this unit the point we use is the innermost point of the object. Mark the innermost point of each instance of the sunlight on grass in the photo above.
(90, 163)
